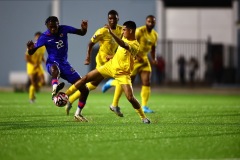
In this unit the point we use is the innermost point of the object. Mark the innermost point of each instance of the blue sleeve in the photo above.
(70, 29)
(40, 42)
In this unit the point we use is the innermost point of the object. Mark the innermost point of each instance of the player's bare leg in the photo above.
(55, 75)
(146, 90)
(136, 105)
(117, 94)
(81, 103)
(32, 88)
(73, 97)
(80, 84)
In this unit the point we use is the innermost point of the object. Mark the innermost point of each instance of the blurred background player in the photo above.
(119, 67)
(35, 69)
(147, 38)
(107, 48)
(182, 63)
(56, 42)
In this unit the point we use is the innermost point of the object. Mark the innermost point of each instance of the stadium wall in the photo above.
(20, 19)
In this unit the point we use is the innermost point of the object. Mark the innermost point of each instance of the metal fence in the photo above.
(216, 61)
(172, 50)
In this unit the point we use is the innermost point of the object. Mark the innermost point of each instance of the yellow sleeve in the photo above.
(133, 47)
(138, 34)
(98, 35)
(156, 38)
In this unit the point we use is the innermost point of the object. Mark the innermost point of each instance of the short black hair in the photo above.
(38, 33)
(150, 16)
(113, 12)
(130, 24)
(51, 19)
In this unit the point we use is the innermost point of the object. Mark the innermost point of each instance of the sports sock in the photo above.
(80, 107)
(117, 95)
(31, 92)
(40, 84)
(145, 93)
(114, 82)
(54, 83)
(140, 113)
(74, 96)
(71, 90)
(91, 86)
(77, 94)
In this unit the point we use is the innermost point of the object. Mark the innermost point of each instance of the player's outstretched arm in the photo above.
(119, 41)
(153, 55)
(31, 48)
(83, 30)
(89, 51)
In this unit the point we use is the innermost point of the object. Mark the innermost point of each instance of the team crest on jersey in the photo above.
(61, 35)
(72, 70)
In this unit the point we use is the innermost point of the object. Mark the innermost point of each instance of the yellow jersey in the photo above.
(106, 42)
(36, 58)
(123, 61)
(146, 40)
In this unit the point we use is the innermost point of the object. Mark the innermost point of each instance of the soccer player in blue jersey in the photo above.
(55, 40)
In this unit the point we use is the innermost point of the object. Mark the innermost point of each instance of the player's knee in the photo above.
(54, 70)
(35, 85)
(43, 83)
(130, 97)
(146, 84)
(84, 90)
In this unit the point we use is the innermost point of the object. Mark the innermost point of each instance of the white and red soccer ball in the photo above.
(61, 99)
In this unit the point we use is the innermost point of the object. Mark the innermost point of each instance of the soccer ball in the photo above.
(61, 99)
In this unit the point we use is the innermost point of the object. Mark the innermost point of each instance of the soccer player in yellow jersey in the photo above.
(147, 38)
(120, 66)
(107, 49)
(35, 69)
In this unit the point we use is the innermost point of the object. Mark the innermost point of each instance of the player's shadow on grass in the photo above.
(33, 124)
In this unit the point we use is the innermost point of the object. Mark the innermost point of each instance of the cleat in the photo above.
(147, 110)
(116, 110)
(59, 87)
(107, 85)
(80, 118)
(32, 100)
(68, 107)
(146, 121)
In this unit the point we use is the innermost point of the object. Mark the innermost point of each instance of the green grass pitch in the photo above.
(184, 126)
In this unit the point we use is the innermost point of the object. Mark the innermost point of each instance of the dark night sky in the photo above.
(198, 3)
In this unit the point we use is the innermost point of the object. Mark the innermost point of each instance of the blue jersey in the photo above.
(56, 45)
(57, 48)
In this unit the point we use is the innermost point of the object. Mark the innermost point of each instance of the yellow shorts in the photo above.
(31, 70)
(107, 71)
(138, 67)
(101, 59)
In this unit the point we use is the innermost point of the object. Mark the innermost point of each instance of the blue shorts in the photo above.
(67, 72)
